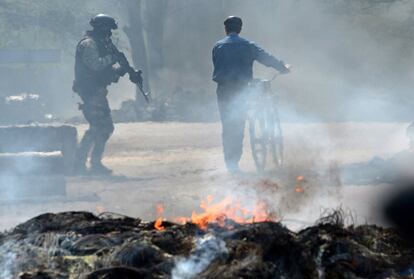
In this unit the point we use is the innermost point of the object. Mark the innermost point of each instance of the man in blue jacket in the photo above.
(233, 59)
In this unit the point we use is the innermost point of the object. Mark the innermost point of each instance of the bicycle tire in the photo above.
(258, 139)
(276, 140)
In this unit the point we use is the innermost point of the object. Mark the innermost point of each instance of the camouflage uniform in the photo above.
(94, 71)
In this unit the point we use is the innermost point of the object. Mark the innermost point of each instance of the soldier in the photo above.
(98, 64)
(233, 59)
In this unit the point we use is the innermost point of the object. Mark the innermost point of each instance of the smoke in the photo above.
(7, 261)
(208, 248)
(342, 52)
(44, 247)
(351, 62)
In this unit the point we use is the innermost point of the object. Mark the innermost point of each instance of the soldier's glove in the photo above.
(120, 71)
(136, 77)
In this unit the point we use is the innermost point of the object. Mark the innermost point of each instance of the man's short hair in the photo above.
(233, 24)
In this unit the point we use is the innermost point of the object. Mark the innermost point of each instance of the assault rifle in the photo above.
(135, 76)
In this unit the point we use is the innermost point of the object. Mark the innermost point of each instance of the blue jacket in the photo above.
(233, 59)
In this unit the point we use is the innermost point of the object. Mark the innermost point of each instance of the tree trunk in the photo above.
(135, 34)
(155, 13)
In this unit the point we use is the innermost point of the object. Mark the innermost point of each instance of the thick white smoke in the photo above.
(7, 261)
(208, 248)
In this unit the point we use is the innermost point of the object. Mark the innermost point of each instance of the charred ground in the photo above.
(83, 245)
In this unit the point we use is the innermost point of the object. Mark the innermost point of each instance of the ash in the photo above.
(83, 245)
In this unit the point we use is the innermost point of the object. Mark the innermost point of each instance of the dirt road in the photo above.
(179, 164)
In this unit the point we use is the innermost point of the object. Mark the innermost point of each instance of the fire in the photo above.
(100, 209)
(158, 224)
(227, 209)
(261, 213)
(300, 178)
(299, 190)
(299, 181)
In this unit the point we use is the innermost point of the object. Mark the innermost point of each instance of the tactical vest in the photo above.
(87, 79)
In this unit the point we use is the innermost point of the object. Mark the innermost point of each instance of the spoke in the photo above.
(260, 138)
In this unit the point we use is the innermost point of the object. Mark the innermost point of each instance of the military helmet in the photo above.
(233, 21)
(103, 21)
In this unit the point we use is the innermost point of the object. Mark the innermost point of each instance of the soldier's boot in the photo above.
(97, 168)
(82, 153)
(80, 169)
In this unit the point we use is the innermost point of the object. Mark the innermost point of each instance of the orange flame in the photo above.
(299, 190)
(299, 181)
(100, 209)
(300, 178)
(160, 209)
(158, 224)
(227, 209)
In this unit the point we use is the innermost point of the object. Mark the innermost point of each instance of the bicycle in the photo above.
(264, 125)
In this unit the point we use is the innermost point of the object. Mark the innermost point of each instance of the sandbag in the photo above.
(32, 163)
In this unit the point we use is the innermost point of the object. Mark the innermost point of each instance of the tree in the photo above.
(154, 19)
(42, 23)
(135, 33)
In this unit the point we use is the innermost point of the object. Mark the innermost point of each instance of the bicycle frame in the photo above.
(264, 124)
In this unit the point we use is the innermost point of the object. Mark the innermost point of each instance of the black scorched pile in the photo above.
(82, 245)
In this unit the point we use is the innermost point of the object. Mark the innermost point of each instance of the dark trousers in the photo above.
(96, 111)
(232, 106)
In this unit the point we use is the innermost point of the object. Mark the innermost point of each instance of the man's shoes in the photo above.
(233, 168)
(99, 169)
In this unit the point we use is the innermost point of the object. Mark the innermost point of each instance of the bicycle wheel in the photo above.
(259, 138)
(276, 141)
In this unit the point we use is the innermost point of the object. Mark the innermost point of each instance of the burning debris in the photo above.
(207, 249)
(82, 245)
(227, 209)
(299, 184)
